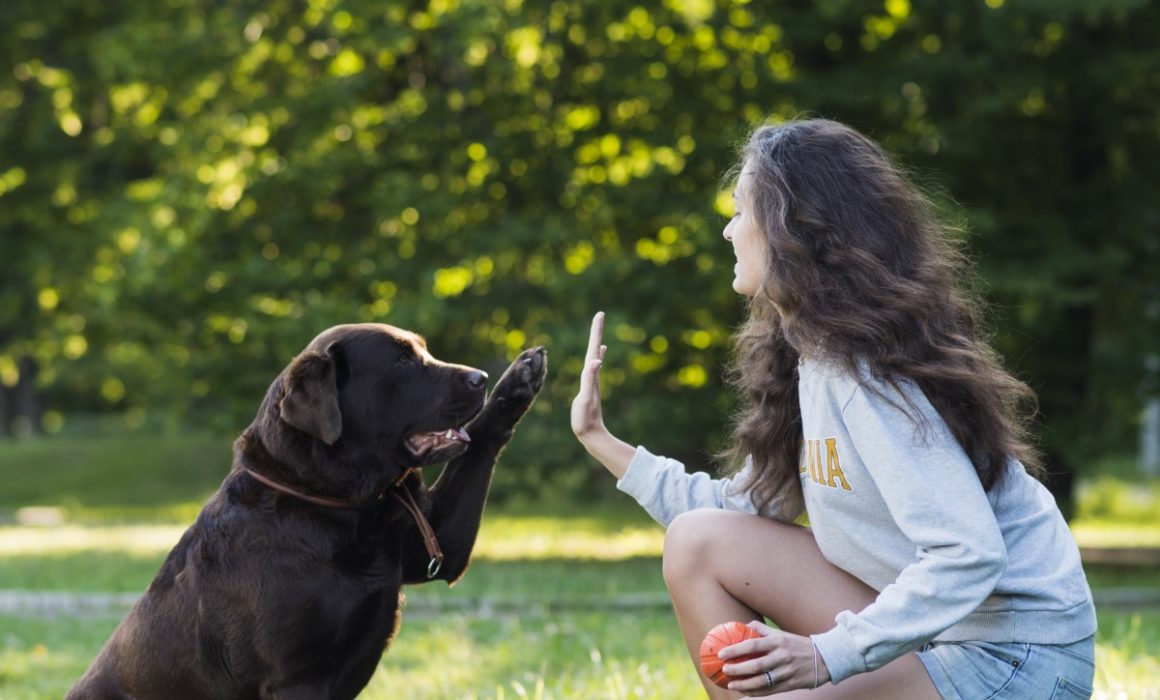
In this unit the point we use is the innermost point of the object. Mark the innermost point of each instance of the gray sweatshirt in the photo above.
(897, 503)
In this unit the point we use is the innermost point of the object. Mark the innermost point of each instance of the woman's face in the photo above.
(747, 239)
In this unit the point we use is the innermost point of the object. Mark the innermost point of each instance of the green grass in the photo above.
(530, 620)
(39, 659)
(139, 477)
(1117, 509)
(1128, 656)
(570, 654)
(573, 655)
(584, 655)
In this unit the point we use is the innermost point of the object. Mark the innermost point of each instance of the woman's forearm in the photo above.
(614, 453)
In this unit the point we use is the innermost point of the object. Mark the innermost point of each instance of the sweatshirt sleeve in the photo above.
(663, 487)
(931, 490)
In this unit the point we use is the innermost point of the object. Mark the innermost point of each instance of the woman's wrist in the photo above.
(614, 453)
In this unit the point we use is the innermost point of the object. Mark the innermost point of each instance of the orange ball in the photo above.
(724, 635)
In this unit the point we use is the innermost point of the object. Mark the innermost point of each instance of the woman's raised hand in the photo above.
(587, 414)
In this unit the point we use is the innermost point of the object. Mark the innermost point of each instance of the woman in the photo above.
(934, 565)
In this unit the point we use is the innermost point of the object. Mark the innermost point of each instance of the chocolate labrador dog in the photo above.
(288, 584)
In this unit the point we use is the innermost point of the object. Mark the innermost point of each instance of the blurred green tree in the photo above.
(190, 190)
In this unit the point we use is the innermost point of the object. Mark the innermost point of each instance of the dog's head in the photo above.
(373, 388)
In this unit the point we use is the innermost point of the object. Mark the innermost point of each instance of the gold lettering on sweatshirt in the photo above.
(833, 465)
(813, 456)
(828, 473)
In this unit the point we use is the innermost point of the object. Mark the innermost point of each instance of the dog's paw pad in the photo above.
(532, 364)
(524, 378)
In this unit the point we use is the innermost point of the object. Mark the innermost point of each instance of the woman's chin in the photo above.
(742, 288)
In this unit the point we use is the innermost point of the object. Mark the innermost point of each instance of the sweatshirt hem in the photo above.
(1026, 626)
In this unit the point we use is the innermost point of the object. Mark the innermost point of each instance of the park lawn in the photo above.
(532, 630)
(577, 654)
(560, 602)
(537, 649)
(545, 625)
(573, 655)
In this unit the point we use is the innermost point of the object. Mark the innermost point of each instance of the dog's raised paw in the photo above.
(523, 379)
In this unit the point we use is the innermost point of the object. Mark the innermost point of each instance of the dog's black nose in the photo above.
(476, 379)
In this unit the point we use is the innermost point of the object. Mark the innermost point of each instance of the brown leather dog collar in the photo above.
(400, 492)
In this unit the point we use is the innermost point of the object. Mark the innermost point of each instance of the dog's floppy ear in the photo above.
(310, 401)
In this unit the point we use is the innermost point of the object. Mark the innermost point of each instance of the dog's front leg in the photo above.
(457, 497)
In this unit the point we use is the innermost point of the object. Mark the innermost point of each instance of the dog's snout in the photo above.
(476, 379)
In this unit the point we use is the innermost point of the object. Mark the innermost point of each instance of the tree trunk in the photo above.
(5, 415)
(26, 408)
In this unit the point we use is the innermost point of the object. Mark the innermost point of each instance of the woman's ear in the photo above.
(310, 400)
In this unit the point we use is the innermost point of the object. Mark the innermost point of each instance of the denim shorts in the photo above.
(986, 671)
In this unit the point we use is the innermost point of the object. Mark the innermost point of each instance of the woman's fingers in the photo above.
(593, 359)
(764, 647)
(586, 411)
(595, 335)
(589, 380)
(754, 645)
(788, 660)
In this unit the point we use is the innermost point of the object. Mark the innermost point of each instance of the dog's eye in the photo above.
(406, 354)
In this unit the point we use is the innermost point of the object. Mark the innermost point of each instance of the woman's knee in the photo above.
(689, 543)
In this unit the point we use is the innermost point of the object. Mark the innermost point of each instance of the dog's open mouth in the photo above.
(422, 445)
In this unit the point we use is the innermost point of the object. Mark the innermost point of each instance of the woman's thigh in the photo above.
(774, 568)
(778, 571)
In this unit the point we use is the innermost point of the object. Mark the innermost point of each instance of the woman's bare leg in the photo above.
(723, 565)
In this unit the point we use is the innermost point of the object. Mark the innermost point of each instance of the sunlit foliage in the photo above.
(190, 190)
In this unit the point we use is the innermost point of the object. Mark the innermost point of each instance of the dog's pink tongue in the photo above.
(437, 440)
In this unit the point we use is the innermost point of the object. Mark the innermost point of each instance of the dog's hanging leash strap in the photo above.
(429, 540)
(282, 488)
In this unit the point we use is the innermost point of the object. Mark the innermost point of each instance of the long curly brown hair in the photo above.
(860, 269)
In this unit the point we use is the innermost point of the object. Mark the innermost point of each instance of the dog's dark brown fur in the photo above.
(269, 596)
